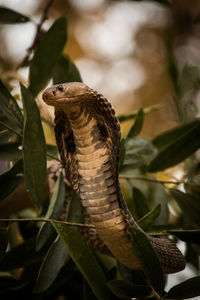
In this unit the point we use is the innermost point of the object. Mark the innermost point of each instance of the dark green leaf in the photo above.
(187, 289)
(122, 152)
(138, 151)
(127, 289)
(140, 203)
(149, 218)
(54, 260)
(10, 151)
(75, 211)
(3, 241)
(177, 151)
(34, 149)
(54, 212)
(189, 205)
(137, 126)
(65, 71)
(47, 55)
(11, 179)
(9, 16)
(84, 259)
(170, 136)
(10, 108)
(192, 256)
(148, 259)
(190, 236)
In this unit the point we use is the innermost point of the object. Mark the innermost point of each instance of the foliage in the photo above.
(53, 259)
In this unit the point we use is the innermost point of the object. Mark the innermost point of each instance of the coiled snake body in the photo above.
(88, 138)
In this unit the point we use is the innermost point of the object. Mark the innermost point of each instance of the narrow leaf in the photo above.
(47, 55)
(190, 236)
(9, 16)
(137, 126)
(149, 218)
(122, 152)
(10, 108)
(34, 149)
(66, 71)
(127, 290)
(187, 289)
(10, 151)
(170, 136)
(140, 203)
(148, 259)
(177, 151)
(54, 212)
(84, 259)
(54, 260)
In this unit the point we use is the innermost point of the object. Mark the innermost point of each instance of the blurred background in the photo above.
(136, 53)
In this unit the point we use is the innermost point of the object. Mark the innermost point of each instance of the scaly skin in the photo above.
(88, 136)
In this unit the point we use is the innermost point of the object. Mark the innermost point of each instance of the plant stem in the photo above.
(45, 220)
(151, 179)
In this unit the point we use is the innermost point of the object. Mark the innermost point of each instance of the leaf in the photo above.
(138, 151)
(54, 260)
(9, 16)
(84, 259)
(170, 136)
(34, 149)
(140, 203)
(10, 108)
(54, 212)
(188, 204)
(46, 56)
(137, 126)
(127, 289)
(148, 259)
(3, 241)
(187, 289)
(190, 236)
(149, 218)
(66, 71)
(11, 179)
(177, 151)
(10, 152)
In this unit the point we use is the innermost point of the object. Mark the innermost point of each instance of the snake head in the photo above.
(62, 94)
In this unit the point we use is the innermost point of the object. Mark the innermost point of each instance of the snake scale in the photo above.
(88, 137)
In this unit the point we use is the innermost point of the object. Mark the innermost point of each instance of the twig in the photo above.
(38, 32)
(152, 180)
(46, 220)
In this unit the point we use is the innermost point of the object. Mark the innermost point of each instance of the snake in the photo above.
(88, 135)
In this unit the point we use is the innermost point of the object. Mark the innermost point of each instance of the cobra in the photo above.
(88, 136)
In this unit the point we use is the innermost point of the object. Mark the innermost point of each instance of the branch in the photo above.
(46, 220)
(153, 180)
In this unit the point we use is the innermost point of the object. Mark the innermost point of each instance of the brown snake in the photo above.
(88, 138)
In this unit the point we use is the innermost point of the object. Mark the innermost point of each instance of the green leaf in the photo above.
(54, 212)
(9, 16)
(46, 56)
(149, 218)
(75, 211)
(137, 126)
(84, 259)
(66, 71)
(170, 136)
(11, 179)
(148, 259)
(138, 151)
(54, 260)
(177, 151)
(3, 241)
(10, 108)
(187, 289)
(190, 236)
(127, 289)
(34, 149)
(188, 204)
(10, 152)
(140, 203)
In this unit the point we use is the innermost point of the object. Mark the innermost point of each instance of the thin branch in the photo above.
(38, 32)
(152, 180)
(46, 220)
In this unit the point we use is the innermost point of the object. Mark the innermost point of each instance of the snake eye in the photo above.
(60, 88)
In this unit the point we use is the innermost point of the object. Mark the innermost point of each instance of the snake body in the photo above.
(88, 138)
